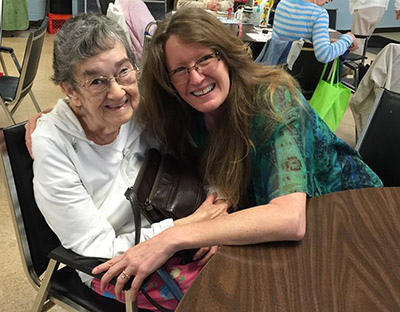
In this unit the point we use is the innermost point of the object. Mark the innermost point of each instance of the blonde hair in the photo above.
(225, 163)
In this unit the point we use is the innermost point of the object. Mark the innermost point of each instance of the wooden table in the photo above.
(349, 260)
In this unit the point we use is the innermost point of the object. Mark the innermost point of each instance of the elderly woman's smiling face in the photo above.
(103, 105)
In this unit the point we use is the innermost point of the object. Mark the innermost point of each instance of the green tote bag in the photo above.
(331, 97)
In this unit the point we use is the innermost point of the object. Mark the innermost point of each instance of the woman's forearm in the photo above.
(282, 219)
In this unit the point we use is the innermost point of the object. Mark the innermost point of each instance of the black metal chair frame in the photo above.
(14, 89)
(355, 62)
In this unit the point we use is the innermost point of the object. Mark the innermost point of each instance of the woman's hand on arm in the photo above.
(30, 126)
(210, 209)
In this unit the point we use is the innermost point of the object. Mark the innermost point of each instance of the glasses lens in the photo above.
(179, 75)
(126, 77)
(206, 62)
(97, 85)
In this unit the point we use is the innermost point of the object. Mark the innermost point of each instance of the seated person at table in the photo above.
(259, 142)
(296, 19)
(213, 5)
(88, 150)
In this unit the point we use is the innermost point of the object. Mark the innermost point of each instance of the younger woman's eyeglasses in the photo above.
(206, 63)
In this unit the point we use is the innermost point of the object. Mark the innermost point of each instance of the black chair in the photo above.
(37, 241)
(14, 89)
(379, 142)
(356, 63)
(307, 70)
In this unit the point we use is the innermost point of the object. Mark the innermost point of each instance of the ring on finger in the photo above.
(124, 275)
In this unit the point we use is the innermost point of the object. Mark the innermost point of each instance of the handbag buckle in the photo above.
(147, 204)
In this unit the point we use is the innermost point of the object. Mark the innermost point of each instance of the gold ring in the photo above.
(124, 275)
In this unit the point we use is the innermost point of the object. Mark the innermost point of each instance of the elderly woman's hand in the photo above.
(139, 261)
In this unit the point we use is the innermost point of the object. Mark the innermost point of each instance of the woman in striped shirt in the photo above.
(296, 19)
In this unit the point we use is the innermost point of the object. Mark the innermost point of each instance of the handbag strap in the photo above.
(130, 194)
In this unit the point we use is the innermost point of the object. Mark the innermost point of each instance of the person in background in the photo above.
(367, 15)
(213, 5)
(88, 151)
(258, 141)
(296, 19)
(137, 16)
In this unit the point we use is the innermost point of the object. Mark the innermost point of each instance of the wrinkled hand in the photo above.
(139, 261)
(205, 253)
(397, 14)
(30, 126)
(209, 209)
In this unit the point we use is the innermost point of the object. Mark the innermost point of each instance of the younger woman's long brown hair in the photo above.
(225, 163)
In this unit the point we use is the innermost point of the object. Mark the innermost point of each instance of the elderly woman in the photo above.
(259, 142)
(89, 149)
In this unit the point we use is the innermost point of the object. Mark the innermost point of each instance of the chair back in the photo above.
(379, 142)
(307, 70)
(31, 60)
(148, 33)
(34, 236)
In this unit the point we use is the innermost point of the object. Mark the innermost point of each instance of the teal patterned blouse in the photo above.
(299, 154)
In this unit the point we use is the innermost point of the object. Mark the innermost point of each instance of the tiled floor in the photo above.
(16, 294)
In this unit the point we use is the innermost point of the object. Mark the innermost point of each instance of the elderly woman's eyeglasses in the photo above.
(205, 63)
(99, 84)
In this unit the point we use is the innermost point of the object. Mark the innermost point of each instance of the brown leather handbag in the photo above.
(165, 188)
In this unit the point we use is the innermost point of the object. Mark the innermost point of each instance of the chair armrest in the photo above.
(81, 263)
(351, 64)
(12, 54)
(87, 264)
(361, 36)
(6, 50)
